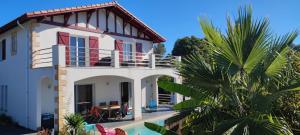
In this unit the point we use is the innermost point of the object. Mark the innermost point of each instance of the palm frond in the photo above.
(159, 129)
(181, 89)
(194, 103)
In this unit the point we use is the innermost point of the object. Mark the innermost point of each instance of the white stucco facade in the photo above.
(32, 90)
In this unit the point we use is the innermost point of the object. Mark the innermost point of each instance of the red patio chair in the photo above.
(120, 131)
(96, 115)
(105, 131)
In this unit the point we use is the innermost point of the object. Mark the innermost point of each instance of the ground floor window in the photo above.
(83, 98)
(3, 98)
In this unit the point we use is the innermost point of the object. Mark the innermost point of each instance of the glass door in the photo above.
(83, 98)
(77, 51)
(126, 93)
(127, 54)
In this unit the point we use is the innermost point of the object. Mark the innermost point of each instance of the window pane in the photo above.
(1, 98)
(81, 51)
(3, 49)
(127, 52)
(14, 44)
(5, 105)
(73, 51)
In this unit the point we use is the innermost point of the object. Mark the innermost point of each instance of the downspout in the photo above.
(27, 72)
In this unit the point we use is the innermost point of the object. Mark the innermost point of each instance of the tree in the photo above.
(236, 91)
(159, 49)
(187, 45)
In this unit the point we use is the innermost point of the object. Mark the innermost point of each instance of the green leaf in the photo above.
(181, 115)
(159, 129)
(279, 63)
(226, 125)
(181, 89)
(192, 103)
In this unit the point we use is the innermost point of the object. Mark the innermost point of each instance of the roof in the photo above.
(113, 5)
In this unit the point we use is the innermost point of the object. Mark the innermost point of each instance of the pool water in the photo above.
(140, 129)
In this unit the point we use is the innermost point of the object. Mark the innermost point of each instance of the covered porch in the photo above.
(115, 98)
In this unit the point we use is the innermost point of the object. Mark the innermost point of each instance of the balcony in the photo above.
(92, 57)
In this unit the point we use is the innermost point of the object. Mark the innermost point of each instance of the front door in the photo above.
(126, 93)
(83, 98)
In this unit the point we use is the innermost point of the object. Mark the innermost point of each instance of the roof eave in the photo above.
(25, 17)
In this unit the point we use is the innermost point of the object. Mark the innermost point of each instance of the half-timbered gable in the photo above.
(107, 18)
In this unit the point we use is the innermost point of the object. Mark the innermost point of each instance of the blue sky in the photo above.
(176, 18)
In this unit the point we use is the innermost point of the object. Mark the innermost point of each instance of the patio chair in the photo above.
(120, 131)
(105, 131)
(122, 112)
(113, 103)
(102, 104)
(95, 115)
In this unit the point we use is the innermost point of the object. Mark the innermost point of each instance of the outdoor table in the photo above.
(109, 108)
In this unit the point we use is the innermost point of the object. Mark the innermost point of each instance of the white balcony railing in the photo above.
(42, 58)
(92, 57)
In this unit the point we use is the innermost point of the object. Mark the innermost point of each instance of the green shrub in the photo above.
(74, 124)
(6, 120)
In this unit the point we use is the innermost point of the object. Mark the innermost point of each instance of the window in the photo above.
(77, 51)
(127, 51)
(14, 44)
(3, 50)
(3, 98)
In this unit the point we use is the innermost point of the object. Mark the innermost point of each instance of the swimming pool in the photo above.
(140, 129)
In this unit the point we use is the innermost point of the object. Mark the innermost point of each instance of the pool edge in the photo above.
(144, 120)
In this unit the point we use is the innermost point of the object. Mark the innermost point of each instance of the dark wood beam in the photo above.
(76, 19)
(142, 32)
(66, 18)
(130, 30)
(51, 18)
(39, 19)
(115, 22)
(124, 25)
(88, 17)
(90, 30)
(97, 14)
(106, 19)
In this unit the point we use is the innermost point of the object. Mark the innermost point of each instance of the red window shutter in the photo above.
(94, 50)
(139, 51)
(63, 38)
(119, 47)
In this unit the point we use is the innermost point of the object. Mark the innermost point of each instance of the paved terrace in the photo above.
(149, 116)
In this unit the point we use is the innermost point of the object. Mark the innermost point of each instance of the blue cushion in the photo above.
(89, 127)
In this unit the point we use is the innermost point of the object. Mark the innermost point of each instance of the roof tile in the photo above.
(30, 15)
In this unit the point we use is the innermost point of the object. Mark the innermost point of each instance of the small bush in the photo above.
(6, 120)
(74, 124)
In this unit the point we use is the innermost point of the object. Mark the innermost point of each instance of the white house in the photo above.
(53, 60)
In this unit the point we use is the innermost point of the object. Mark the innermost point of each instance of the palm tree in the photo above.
(233, 91)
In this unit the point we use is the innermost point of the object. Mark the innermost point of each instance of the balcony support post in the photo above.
(137, 100)
(59, 64)
(178, 59)
(115, 59)
(59, 55)
(152, 61)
